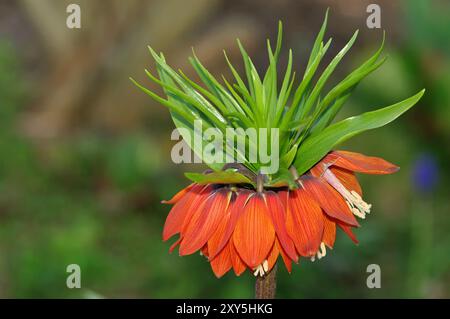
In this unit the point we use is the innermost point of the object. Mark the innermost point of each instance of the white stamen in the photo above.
(361, 202)
(323, 251)
(262, 269)
(257, 271)
(266, 265)
(354, 201)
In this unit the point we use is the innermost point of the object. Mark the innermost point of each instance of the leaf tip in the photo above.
(326, 13)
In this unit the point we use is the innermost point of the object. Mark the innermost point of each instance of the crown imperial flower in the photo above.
(236, 215)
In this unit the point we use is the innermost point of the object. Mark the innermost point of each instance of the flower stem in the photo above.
(260, 183)
(266, 286)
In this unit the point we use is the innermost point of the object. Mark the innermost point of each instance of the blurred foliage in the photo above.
(94, 199)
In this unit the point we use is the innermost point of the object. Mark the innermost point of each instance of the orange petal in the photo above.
(278, 214)
(273, 255)
(304, 222)
(360, 163)
(286, 259)
(204, 251)
(182, 210)
(174, 245)
(179, 195)
(347, 178)
(237, 262)
(254, 234)
(225, 230)
(216, 238)
(205, 221)
(318, 169)
(329, 232)
(222, 262)
(197, 205)
(331, 201)
(283, 195)
(348, 230)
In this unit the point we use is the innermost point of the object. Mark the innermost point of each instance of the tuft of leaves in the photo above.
(300, 109)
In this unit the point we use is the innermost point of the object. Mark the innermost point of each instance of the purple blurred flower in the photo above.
(425, 173)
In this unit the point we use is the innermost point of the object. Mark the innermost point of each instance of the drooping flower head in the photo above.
(239, 214)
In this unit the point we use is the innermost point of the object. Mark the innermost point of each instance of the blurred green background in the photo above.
(85, 156)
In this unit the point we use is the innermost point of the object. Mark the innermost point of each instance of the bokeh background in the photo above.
(85, 156)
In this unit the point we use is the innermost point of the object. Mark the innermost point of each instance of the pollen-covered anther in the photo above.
(354, 201)
(262, 269)
(361, 203)
(323, 251)
(355, 210)
(357, 205)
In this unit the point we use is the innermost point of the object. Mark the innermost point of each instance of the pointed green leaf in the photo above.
(299, 93)
(325, 75)
(342, 91)
(283, 178)
(289, 157)
(317, 146)
(318, 41)
(210, 114)
(186, 125)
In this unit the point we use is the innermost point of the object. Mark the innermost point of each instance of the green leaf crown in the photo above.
(300, 109)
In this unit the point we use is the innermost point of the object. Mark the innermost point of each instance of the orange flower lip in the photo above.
(238, 228)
